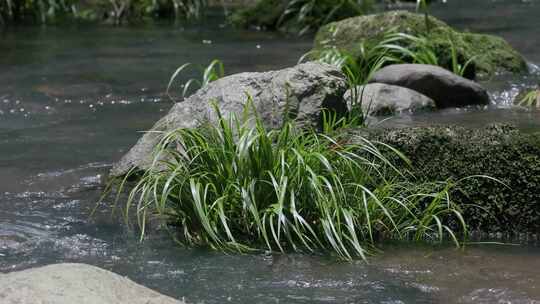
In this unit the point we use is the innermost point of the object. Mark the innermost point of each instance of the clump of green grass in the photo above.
(392, 48)
(116, 11)
(531, 99)
(236, 186)
(213, 71)
(39, 10)
(309, 15)
(298, 16)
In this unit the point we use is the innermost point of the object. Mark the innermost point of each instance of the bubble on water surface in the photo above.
(80, 245)
(424, 288)
(66, 205)
(497, 295)
(533, 68)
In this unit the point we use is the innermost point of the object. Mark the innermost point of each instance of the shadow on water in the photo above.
(73, 100)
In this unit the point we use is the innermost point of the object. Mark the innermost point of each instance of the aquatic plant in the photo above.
(190, 9)
(39, 10)
(309, 15)
(236, 186)
(370, 57)
(140, 9)
(422, 6)
(531, 99)
(115, 11)
(392, 48)
(298, 16)
(120, 10)
(211, 72)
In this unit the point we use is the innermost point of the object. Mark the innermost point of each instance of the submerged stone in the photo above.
(445, 88)
(298, 93)
(491, 54)
(75, 284)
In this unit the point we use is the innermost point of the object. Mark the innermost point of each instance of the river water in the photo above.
(74, 99)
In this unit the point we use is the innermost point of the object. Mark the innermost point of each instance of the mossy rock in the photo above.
(491, 54)
(499, 151)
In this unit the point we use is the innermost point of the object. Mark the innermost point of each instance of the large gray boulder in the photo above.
(74, 284)
(297, 93)
(378, 99)
(444, 87)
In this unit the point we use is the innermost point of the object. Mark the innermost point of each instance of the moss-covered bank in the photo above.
(491, 53)
(499, 151)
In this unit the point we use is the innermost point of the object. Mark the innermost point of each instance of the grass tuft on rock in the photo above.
(236, 186)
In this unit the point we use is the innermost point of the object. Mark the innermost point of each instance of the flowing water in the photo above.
(73, 100)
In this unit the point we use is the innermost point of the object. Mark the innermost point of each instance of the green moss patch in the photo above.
(499, 151)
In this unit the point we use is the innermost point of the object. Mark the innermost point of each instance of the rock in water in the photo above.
(297, 93)
(384, 99)
(75, 284)
(490, 54)
(444, 87)
(501, 165)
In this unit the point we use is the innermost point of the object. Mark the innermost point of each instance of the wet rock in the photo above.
(444, 87)
(508, 201)
(385, 99)
(490, 54)
(297, 93)
(75, 283)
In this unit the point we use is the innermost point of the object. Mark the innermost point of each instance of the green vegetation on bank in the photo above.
(237, 186)
(112, 11)
(298, 16)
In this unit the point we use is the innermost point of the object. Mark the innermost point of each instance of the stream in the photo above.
(74, 99)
